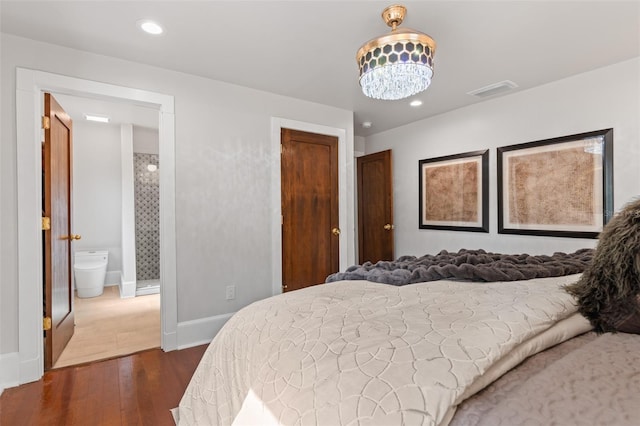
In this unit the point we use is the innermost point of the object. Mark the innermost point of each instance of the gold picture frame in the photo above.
(454, 192)
(559, 187)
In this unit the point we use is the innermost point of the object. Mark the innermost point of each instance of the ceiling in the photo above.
(118, 112)
(306, 49)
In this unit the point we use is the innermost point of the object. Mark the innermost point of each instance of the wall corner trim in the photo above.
(127, 288)
(200, 331)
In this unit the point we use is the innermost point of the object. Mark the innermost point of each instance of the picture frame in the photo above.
(454, 192)
(559, 187)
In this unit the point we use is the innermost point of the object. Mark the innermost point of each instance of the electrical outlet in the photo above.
(231, 292)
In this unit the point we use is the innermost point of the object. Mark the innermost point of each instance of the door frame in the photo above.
(30, 86)
(346, 202)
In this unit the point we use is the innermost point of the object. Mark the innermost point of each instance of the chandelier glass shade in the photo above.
(397, 65)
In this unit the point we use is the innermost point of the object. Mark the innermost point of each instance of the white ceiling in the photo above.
(118, 112)
(306, 49)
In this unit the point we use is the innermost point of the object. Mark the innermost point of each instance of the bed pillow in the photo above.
(608, 293)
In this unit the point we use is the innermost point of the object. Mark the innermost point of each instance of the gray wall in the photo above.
(224, 162)
(604, 98)
(97, 194)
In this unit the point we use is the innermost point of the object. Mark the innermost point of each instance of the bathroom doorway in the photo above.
(32, 83)
(116, 190)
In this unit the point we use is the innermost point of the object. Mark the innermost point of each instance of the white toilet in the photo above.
(90, 268)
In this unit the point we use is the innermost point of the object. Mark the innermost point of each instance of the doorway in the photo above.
(346, 210)
(112, 162)
(30, 86)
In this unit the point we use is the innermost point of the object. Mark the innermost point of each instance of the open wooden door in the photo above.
(375, 207)
(58, 291)
(310, 232)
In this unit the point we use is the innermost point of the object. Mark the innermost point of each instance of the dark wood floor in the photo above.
(138, 389)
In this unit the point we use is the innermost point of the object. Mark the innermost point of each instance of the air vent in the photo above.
(493, 89)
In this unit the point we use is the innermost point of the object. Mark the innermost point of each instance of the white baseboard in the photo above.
(200, 331)
(127, 289)
(112, 278)
(9, 370)
(170, 341)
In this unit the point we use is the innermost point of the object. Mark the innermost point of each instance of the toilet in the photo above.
(90, 268)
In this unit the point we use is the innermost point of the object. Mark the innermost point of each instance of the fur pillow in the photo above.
(608, 293)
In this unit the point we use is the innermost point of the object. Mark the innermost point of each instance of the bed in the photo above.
(466, 338)
(367, 352)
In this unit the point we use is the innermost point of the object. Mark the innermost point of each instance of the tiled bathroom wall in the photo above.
(147, 202)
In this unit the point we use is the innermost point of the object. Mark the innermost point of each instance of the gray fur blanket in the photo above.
(472, 265)
(608, 293)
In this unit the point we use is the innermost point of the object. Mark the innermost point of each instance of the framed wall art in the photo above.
(454, 192)
(557, 187)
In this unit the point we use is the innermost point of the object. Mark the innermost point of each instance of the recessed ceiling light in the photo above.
(150, 27)
(416, 103)
(366, 124)
(97, 118)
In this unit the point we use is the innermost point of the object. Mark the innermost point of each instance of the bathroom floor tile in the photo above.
(108, 326)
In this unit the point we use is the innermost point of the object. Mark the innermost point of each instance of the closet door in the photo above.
(310, 229)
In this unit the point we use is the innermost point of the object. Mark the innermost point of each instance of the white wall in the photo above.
(97, 194)
(359, 145)
(605, 98)
(223, 168)
(145, 140)
(128, 214)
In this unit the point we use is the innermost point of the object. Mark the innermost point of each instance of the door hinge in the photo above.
(46, 323)
(46, 122)
(281, 149)
(46, 223)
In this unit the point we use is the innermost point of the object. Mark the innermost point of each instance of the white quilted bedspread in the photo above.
(356, 352)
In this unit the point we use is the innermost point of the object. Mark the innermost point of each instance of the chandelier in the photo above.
(396, 65)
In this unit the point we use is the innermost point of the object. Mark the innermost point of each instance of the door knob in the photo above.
(335, 231)
(388, 227)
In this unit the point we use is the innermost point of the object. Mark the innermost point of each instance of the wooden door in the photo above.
(58, 290)
(375, 207)
(310, 232)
